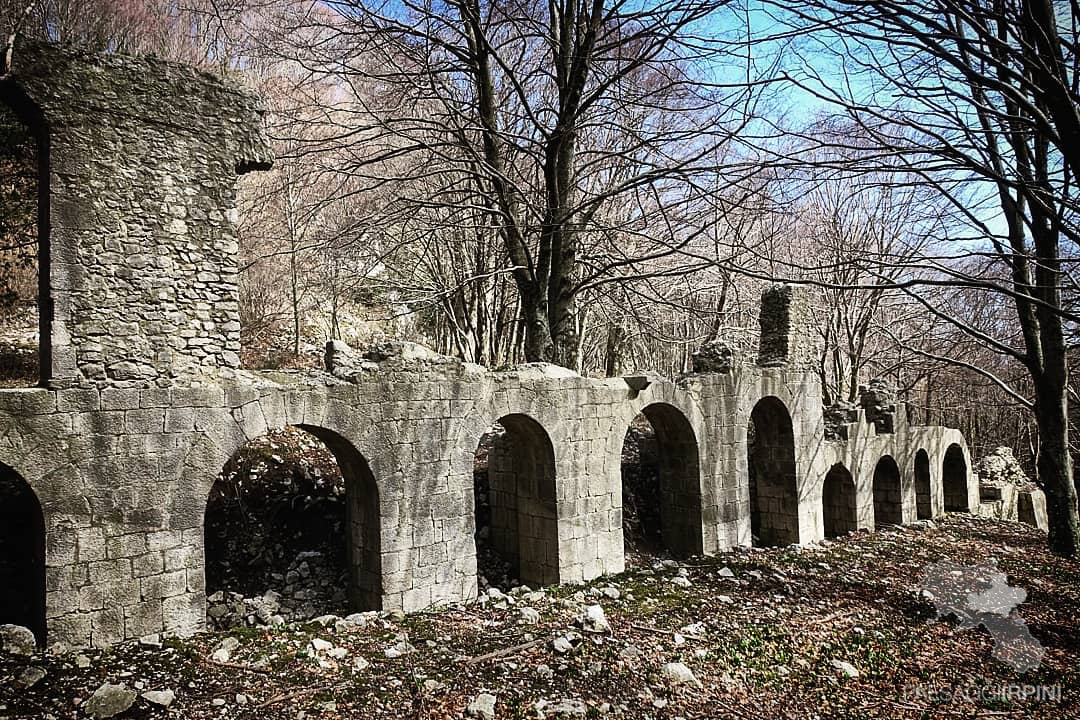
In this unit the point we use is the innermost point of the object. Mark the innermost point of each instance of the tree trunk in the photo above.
(1055, 468)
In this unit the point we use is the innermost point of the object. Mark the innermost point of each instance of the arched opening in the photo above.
(838, 502)
(924, 509)
(888, 495)
(22, 555)
(954, 479)
(292, 531)
(24, 287)
(774, 497)
(661, 486)
(517, 535)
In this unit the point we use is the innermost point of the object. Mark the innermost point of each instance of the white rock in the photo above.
(677, 673)
(320, 645)
(338, 653)
(593, 620)
(164, 698)
(681, 581)
(81, 661)
(530, 616)
(611, 592)
(482, 707)
(726, 572)
(845, 667)
(109, 700)
(560, 708)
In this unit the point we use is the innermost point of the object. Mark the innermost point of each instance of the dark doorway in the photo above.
(661, 485)
(838, 502)
(923, 499)
(954, 479)
(888, 494)
(774, 497)
(22, 555)
(517, 537)
(293, 519)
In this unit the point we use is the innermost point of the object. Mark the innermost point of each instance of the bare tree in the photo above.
(977, 99)
(569, 128)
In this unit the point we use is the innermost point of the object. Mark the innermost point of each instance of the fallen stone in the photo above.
(109, 700)
(30, 677)
(592, 619)
(482, 707)
(320, 645)
(163, 698)
(676, 673)
(433, 686)
(17, 640)
(845, 667)
(560, 708)
(530, 616)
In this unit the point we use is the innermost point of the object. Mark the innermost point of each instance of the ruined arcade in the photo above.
(143, 401)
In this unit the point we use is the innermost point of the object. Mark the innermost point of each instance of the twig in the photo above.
(238, 666)
(505, 651)
(662, 631)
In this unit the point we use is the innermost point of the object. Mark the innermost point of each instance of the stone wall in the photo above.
(144, 404)
(138, 211)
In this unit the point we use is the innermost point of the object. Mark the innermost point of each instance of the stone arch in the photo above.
(838, 502)
(771, 470)
(678, 478)
(888, 493)
(361, 536)
(22, 555)
(27, 113)
(954, 479)
(521, 502)
(924, 509)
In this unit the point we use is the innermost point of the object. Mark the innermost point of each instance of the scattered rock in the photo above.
(592, 619)
(482, 707)
(109, 700)
(320, 645)
(530, 616)
(30, 677)
(560, 708)
(845, 667)
(676, 673)
(17, 640)
(164, 698)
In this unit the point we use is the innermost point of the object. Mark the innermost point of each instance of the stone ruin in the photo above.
(112, 459)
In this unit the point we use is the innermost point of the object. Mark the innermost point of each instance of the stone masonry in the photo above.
(142, 403)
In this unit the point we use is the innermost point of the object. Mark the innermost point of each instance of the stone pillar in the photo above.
(786, 340)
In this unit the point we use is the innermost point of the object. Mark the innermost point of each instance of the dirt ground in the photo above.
(760, 631)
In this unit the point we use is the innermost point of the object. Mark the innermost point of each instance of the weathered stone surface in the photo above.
(482, 707)
(142, 223)
(17, 640)
(109, 700)
(713, 357)
(878, 400)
